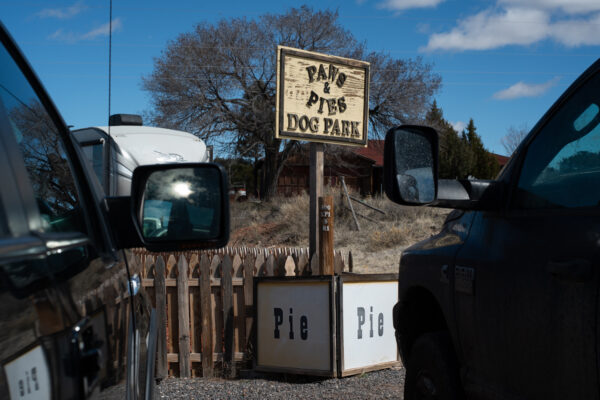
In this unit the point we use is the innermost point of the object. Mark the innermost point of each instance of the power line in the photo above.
(236, 48)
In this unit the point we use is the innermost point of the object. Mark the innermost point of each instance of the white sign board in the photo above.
(294, 326)
(367, 324)
(28, 376)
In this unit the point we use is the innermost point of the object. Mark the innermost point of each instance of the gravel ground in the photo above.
(386, 384)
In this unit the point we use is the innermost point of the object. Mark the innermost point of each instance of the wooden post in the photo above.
(206, 311)
(316, 190)
(350, 203)
(160, 287)
(227, 295)
(350, 262)
(172, 315)
(183, 311)
(326, 235)
(248, 300)
(195, 315)
(270, 265)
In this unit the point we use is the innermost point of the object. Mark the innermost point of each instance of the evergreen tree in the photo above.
(484, 164)
(455, 158)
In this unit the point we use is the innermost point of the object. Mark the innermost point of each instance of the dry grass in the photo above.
(377, 247)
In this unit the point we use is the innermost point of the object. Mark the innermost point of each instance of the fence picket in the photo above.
(227, 296)
(195, 315)
(289, 266)
(172, 315)
(314, 265)
(270, 265)
(237, 267)
(338, 263)
(259, 265)
(350, 262)
(248, 300)
(205, 304)
(280, 266)
(183, 316)
(216, 268)
(160, 290)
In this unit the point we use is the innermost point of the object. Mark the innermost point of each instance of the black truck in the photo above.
(503, 303)
(61, 239)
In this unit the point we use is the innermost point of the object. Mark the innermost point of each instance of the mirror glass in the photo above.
(586, 117)
(182, 204)
(414, 167)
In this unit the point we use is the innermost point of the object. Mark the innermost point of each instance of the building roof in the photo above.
(373, 152)
(502, 160)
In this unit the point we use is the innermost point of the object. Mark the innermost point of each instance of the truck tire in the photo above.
(432, 370)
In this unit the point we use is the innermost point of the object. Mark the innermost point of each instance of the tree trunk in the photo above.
(255, 192)
(270, 175)
(273, 165)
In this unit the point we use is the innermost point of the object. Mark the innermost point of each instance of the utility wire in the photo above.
(109, 63)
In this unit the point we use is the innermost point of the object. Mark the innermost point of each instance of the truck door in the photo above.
(54, 338)
(526, 281)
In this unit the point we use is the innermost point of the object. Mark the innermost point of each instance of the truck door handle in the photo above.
(576, 270)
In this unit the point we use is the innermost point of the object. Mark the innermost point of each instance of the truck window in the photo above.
(94, 156)
(562, 164)
(42, 150)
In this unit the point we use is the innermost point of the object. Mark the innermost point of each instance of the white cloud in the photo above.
(72, 37)
(459, 126)
(401, 5)
(522, 89)
(523, 23)
(104, 29)
(567, 6)
(62, 13)
(577, 32)
(487, 30)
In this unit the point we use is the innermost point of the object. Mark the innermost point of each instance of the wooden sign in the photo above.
(321, 98)
(366, 323)
(292, 334)
(327, 325)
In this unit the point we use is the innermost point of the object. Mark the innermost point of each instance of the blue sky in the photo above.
(502, 62)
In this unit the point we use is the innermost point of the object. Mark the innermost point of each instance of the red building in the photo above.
(361, 167)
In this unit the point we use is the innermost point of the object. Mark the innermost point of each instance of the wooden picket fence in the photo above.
(204, 303)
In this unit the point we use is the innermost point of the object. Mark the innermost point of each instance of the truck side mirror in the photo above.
(411, 165)
(180, 207)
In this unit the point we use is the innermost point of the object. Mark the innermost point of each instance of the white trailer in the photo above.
(113, 159)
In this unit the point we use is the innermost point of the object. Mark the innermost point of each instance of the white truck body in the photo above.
(132, 146)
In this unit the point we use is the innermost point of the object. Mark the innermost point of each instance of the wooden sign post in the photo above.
(320, 99)
(326, 235)
(316, 190)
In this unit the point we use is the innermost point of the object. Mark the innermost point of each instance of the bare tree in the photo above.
(513, 138)
(45, 158)
(219, 82)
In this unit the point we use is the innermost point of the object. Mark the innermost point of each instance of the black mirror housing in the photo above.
(410, 166)
(179, 207)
